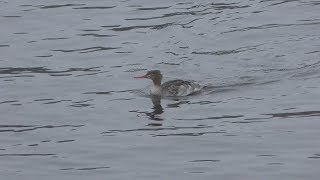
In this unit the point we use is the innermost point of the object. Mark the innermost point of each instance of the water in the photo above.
(70, 108)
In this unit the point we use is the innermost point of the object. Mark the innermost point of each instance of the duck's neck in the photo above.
(157, 82)
(156, 88)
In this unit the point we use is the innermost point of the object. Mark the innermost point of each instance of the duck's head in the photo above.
(154, 75)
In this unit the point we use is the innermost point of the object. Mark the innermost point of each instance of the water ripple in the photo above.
(214, 117)
(87, 50)
(95, 7)
(295, 114)
(157, 27)
(27, 155)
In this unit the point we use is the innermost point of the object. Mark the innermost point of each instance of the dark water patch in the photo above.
(295, 114)
(4, 45)
(153, 8)
(44, 56)
(86, 169)
(123, 52)
(184, 3)
(136, 70)
(66, 169)
(227, 52)
(173, 53)
(15, 126)
(87, 50)
(44, 70)
(95, 7)
(27, 155)
(60, 74)
(21, 33)
(22, 128)
(90, 30)
(278, 2)
(206, 102)
(122, 99)
(184, 13)
(171, 64)
(102, 93)
(2, 77)
(58, 6)
(12, 16)
(55, 102)
(210, 118)
(206, 160)
(256, 119)
(26, 5)
(93, 168)
(266, 155)
(189, 134)
(246, 122)
(33, 144)
(256, 12)
(46, 99)
(5, 102)
(32, 41)
(173, 128)
(110, 92)
(53, 39)
(270, 26)
(81, 105)
(44, 141)
(219, 6)
(156, 27)
(118, 66)
(312, 3)
(90, 74)
(275, 163)
(84, 101)
(64, 141)
(312, 52)
(110, 26)
(315, 156)
(131, 43)
(97, 35)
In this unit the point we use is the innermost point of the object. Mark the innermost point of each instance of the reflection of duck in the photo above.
(157, 108)
(170, 88)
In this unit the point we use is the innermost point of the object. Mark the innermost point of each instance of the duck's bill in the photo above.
(141, 77)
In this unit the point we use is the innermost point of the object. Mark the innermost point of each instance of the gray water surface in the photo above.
(70, 108)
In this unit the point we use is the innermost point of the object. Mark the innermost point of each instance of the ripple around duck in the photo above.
(174, 128)
(211, 118)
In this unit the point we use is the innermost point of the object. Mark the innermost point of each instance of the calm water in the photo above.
(70, 108)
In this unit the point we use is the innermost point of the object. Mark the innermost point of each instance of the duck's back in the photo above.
(179, 88)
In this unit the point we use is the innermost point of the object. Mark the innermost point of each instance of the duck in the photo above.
(173, 88)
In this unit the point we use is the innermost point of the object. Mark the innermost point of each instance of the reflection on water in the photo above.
(157, 109)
